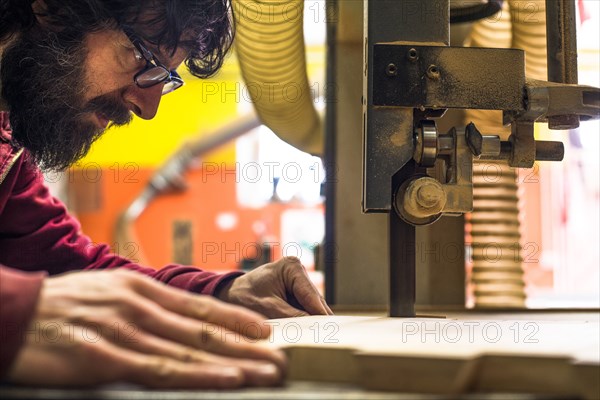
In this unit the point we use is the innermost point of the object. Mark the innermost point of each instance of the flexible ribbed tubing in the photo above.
(497, 274)
(271, 51)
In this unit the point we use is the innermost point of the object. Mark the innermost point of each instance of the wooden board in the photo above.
(535, 353)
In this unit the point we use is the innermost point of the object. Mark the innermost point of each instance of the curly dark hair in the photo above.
(202, 27)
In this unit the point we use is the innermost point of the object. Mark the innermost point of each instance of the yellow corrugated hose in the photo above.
(497, 274)
(271, 51)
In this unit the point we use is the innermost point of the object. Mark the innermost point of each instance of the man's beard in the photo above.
(43, 82)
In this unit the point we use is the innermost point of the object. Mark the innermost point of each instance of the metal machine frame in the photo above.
(411, 77)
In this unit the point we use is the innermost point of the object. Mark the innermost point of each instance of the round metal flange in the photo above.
(408, 189)
(426, 146)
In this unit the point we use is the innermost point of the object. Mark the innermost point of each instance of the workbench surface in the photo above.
(292, 391)
(449, 353)
(470, 355)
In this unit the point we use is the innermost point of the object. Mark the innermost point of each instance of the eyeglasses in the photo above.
(154, 72)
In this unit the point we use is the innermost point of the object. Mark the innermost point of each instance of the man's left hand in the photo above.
(277, 290)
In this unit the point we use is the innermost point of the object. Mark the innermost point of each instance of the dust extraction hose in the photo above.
(497, 274)
(270, 48)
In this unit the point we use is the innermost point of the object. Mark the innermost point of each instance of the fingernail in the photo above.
(231, 371)
(232, 376)
(281, 359)
(268, 369)
(281, 355)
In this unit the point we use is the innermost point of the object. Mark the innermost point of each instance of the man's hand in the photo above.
(99, 327)
(277, 290)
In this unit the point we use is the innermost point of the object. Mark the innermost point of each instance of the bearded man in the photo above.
(69, 70)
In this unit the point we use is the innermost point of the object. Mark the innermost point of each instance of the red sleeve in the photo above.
(38, 234)
(19, 292)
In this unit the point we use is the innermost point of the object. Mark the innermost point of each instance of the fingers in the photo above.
(149, 317)
(299, 284)
(117, 331)
(278, 308)
(204, 308)
(255, 373)
(154, 363)
(164, 372)
(228, 344)
(329, 311)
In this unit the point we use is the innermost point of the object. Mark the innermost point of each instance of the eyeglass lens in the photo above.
(152, 76)
(170, 86)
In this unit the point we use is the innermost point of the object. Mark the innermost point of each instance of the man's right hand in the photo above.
(99, 327)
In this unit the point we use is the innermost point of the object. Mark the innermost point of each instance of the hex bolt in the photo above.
(433, 72)
(391, 70)
(491, 146)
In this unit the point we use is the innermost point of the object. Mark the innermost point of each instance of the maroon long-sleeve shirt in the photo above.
(38, 237)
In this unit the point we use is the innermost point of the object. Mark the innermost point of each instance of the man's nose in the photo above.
(144, 101)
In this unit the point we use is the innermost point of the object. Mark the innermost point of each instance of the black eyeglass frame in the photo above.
(171, 79)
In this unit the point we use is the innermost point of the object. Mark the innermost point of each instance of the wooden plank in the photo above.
(538, 353)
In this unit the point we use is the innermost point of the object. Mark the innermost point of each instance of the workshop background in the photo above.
(257, 198)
